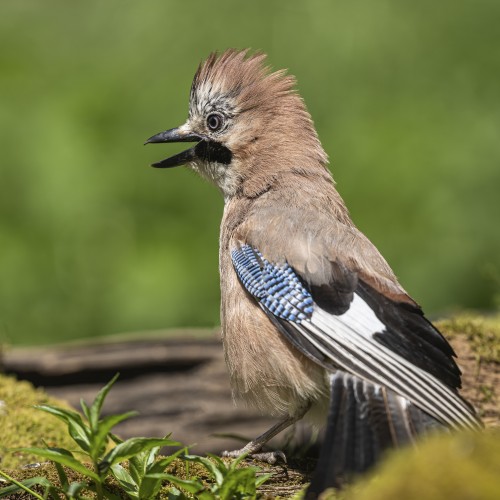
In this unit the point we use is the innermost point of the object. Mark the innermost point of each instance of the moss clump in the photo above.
(22, 425)
(482, 333)
(459, 467)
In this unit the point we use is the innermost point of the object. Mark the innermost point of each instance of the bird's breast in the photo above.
(265, 370)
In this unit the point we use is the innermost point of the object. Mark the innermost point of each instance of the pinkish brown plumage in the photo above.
(312, 315)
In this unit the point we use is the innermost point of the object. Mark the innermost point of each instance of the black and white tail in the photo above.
(364, 420)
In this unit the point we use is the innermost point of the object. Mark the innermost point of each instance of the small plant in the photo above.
(229, 482)
(92, 434)
(141, 481)
(102, 452)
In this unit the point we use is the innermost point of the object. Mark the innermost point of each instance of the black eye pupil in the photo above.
(214, 122)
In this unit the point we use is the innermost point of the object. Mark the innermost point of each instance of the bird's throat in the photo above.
(213, 152)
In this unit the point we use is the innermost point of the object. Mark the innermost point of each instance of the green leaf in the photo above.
(95, 409)
(75, 488)
(122, 475)
(131, 447)
(62, 413)
(150, 486)
(206, 495)
(115, 438)
(137, 465)
(52, 492)
(238, 481)
(175, 494)
(150, 456)
(108, 495)
(163, 463)
(63, 457)
(190, 485)
(125, 480)
(76, 427)
(216, 473)
(259, 481)
(237, 461)
(219, 461)
(85, 409)
(80, 435)
(100, 436)
(25, 486)
(63, 478)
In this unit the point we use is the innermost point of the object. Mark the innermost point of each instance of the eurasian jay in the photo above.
(314, 321)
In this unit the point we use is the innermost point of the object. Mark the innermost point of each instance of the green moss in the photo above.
(482, 333)
(458, 467)
(22, 425)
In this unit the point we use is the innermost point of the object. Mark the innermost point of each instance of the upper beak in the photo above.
(180, 134)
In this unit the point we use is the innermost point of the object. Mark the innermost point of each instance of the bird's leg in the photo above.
(256, 445)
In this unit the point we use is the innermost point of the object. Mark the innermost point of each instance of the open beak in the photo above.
(181, 134)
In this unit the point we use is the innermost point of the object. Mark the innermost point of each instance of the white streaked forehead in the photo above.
(209, 97)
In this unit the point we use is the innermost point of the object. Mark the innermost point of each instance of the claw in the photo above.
(271, 457)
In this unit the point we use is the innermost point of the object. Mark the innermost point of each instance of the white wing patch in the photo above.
(360, 317)
(348, 341)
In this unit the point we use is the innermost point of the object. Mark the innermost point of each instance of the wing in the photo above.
(347, 325)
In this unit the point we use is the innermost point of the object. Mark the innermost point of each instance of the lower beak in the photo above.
(175, 135)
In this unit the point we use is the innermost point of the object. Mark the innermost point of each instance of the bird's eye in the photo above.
(214, 122)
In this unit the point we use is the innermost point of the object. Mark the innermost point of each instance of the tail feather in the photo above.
(421, 422)
(364, 420)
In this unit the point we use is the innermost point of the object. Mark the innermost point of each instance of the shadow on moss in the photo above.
(453, 467)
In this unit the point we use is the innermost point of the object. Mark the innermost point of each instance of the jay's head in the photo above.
(248, 124)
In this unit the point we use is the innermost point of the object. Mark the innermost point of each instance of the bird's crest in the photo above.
(241, 75)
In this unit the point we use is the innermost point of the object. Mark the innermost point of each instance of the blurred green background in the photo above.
(405, 96)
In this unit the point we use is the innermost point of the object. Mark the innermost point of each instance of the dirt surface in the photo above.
(480, 381)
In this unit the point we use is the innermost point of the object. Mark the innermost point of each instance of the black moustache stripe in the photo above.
(213, 152)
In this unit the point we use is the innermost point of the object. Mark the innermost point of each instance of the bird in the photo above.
(314, 321)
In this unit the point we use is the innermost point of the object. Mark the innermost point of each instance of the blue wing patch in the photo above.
(277, 288)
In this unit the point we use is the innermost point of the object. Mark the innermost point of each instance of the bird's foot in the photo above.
(271, 457)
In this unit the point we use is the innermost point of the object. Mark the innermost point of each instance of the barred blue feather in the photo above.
(277, 288)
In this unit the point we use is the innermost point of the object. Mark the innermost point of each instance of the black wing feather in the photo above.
(409, 334)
